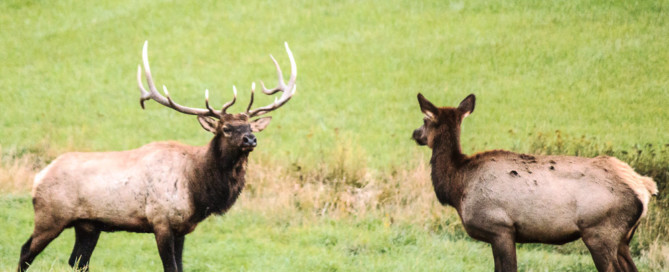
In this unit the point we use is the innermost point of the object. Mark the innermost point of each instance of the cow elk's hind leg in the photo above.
(625, 258)
(35, 244)
(603, 246)
(86, 237)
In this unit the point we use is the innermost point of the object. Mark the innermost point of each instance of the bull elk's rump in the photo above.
(504, 197)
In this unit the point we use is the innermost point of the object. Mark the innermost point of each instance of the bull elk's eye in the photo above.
(227, 130)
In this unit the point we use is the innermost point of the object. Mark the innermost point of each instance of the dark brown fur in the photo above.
(217, 186)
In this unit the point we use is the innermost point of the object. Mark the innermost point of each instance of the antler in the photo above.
(166, 100)
(287, 89)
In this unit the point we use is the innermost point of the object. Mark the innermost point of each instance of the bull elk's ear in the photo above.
(467, 105)
(427, 107)
(208, 123)
(259, 124)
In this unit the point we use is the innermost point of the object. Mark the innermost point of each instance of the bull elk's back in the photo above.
(122, 193)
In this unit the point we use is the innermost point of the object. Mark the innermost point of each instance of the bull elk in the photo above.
(164, 188)
(505, 198)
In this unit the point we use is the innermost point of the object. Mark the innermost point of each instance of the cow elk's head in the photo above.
(233, 130)
(441, 121)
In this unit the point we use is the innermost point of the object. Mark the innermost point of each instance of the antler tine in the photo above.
(253, 90)
(156, 96)
(278, 102)
(282, 85)
(231, 102)
(206, 103)
(287, 89)
(144, 94)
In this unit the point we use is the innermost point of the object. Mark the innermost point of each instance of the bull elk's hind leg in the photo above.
(40, 238)
(86, 237)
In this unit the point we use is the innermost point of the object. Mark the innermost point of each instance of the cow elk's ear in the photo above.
(259, 124)
(467, 105)
(427, 108)
(208, 123)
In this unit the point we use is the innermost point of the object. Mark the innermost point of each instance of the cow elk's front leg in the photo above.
(504, 252)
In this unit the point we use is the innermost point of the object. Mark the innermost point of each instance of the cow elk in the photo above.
(505, 198)
(164, 188)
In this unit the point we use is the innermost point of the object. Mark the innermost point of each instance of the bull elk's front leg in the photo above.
(165, 239)
(178, 251)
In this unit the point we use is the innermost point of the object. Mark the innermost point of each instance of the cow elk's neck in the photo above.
(446, 145)
(447, 159)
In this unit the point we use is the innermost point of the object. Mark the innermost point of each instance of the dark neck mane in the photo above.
(447, 160)
(218, 180)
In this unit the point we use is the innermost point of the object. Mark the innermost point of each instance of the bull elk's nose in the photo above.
(249, 140)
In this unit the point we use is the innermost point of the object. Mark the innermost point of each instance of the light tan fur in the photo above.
(119, 193)
(504, 198)
(642, 186)
(40, 176)
(163, 188)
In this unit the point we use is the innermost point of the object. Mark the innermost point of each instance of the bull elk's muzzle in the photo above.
(249, 142)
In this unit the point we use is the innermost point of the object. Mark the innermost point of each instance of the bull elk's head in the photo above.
(439, 120)
(236, 129)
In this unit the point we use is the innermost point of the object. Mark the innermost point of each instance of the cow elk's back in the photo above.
(504, 197)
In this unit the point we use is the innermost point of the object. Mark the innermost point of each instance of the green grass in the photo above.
(597, 69)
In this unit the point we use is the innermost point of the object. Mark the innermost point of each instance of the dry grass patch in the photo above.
(17, 171)
(401, 195)
(657, 255)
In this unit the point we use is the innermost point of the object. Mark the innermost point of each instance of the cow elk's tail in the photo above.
(642, 186)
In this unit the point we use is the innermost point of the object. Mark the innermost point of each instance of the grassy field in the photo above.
(240, 241)
(566, 77)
